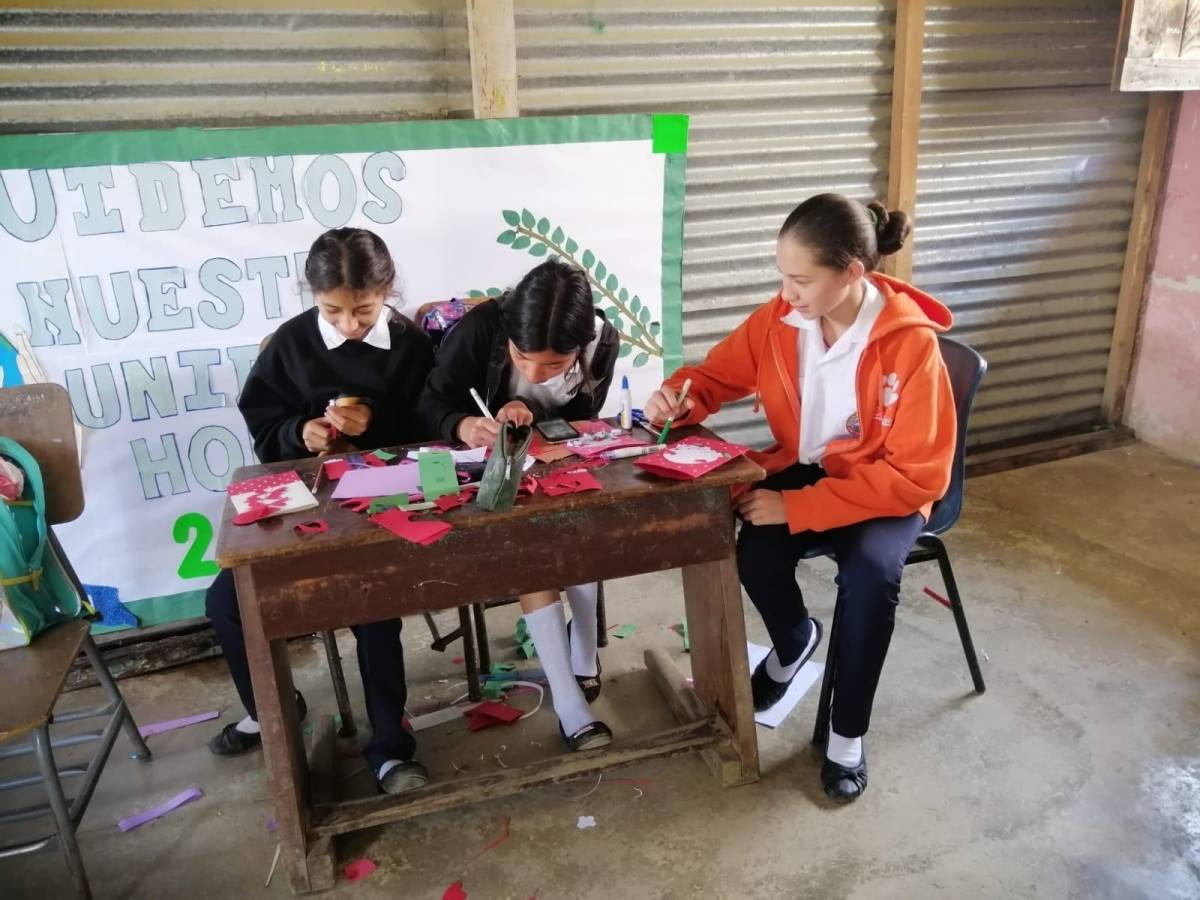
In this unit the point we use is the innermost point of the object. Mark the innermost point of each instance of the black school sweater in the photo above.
(475, 355)
(296, 375)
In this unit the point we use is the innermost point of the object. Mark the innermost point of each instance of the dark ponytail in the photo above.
(351, 258)
(839, 230)
(550, 309)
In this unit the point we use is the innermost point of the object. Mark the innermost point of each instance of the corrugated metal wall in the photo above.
(786, 100)
(73, 66)
(1025, 189)
(1027, 161)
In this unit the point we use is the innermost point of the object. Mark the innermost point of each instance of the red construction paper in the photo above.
(356, 504)
(400, 523)
(690, 458)
(528, 486)
(372, 460)
(336, 468)
(568, 482)
(263, 483)
(359, 869)
(448, 502)
(455, 892)
(489, 713)
(316, 526)
(254, 514)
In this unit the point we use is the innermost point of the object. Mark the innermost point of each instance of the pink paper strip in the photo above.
(132, 822)
(172, 724)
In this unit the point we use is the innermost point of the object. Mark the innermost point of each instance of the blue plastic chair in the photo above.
(966, 368)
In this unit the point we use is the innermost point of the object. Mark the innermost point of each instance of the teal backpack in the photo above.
(35, 590)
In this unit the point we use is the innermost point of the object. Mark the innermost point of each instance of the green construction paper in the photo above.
(528, 650)
(687, 644)
(493, 690)
(379, 504)
(499, 668)
(522, 631)
(625, 631)
(500, 677)
(670, 134)
(384, 455)
(438, 477)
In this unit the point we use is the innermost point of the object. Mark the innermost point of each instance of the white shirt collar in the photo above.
(380, 336)
(859, 331)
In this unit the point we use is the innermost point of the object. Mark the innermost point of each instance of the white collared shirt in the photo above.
(558, 391)
(379, 336)
(828, 378)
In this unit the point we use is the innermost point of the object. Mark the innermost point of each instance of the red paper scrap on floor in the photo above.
(336, 468)
(455, 892)
(489, 713)
(316, 526)
(254, 514)
(400, 523)
(566, 481)
(356, 504)
(359, 869)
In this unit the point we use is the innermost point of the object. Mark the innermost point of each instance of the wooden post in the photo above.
(492, 36)
(906, 123)
(1151, 175)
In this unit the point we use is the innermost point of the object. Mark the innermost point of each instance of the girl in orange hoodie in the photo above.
(845, 363)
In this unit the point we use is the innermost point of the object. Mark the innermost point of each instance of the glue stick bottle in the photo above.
(626, 405)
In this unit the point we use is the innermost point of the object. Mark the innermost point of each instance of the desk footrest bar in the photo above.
(27, 780)
(338, 818)
(22, 749)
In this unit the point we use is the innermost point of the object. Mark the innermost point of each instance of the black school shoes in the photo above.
(765, 690)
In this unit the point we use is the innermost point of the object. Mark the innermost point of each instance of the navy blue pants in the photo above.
(870, 557)
(380, 662)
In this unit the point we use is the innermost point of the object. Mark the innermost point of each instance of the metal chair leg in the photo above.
(956, 607)
(825, 704)
(338, 674)
(601, 617)
(474, 686)
(481, 638)
(62, 816)
(140, 750)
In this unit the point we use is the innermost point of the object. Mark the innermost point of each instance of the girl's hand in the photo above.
(762, 508)
(516, 412)
(664, 404)
(476, 431)
(316, 435)
(349, 420)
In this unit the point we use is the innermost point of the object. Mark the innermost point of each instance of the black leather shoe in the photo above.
(408, 776)
(765, 690)
(231, 742)
(589, 684)
(844, 784)
(592, 736)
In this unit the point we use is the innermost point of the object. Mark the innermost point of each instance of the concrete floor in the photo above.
(1076, 775)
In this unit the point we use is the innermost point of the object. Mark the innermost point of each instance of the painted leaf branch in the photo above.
(628, 314)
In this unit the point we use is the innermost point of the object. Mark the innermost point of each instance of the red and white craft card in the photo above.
(598, 437)
(271, 495)
(691, 458)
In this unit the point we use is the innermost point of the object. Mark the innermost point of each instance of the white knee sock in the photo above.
(783, 674)
(844, 751)
(582, 598)
(549, 631)
(247, 726)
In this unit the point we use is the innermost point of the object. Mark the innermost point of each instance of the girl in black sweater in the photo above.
(350, 346)
(540, 351)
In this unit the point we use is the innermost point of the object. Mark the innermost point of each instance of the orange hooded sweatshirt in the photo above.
(899, 463)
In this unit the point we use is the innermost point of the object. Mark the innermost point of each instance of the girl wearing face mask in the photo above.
(540, 351)
(844, 362)
(350, 345)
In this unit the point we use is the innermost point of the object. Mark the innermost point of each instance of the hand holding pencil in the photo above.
(665, 405)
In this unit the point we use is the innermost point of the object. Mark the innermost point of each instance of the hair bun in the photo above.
(891, 228)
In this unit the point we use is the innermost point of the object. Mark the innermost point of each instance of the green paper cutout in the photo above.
(438, 477)
(493, 690)
(625, 631)
(687, 644)
(392, 501)
(528, 650)
(384, 455)
(500, 668)
(522, 631)
(669, 134)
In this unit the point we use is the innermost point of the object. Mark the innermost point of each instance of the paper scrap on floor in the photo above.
(805, 678)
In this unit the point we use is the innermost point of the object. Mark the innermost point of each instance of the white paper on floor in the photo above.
(805, 678)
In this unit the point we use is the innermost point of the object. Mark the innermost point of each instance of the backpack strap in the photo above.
(37, 499)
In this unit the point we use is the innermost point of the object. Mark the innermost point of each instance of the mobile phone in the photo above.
(555, 431)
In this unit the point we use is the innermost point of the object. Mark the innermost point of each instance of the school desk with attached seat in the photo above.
(357, 572)
(39, 418)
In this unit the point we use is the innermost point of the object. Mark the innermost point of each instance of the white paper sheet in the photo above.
(808, 675)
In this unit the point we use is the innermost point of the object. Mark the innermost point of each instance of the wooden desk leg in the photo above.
(283, 745)
(720, 667)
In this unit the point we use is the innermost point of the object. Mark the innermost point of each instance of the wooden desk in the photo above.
(357, 572)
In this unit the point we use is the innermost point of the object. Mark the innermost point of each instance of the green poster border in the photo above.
(51, 151)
